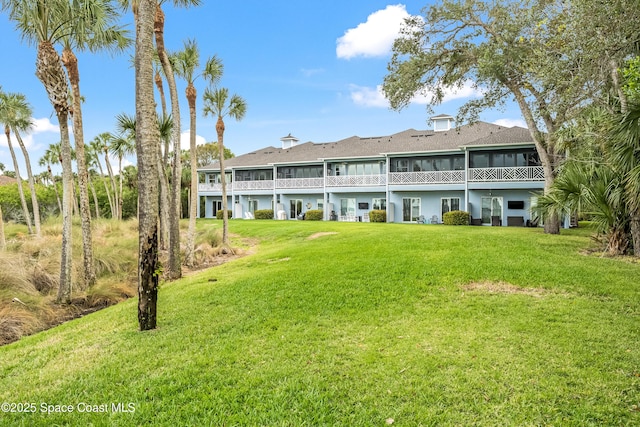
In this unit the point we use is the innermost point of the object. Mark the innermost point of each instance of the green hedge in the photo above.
(378, 216)
(314, 215)
(219, 214)
(263, 214)
(456, 218)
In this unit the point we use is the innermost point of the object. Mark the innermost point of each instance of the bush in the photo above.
(314, 215)
(456, 218)
(219, 214)
(378, 215)
(263, 214)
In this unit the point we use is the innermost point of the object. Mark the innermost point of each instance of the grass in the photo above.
(365, 324)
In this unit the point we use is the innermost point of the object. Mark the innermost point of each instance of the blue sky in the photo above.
(312, 69)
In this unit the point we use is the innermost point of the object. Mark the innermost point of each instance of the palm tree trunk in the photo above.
(147, 140)
(23, 201)
(106, 187)
(193, 191)
(55, 188)
(114, 213)
(223, 181)
(64, 290)
(174, 269)
(32, 185)
(95, 198)
(71, 64)
(120, 189)
(164, 202)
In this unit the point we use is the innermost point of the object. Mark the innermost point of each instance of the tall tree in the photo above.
(122, 146)
(524, 50)
(95, 149)
(186, 62)
(50, 157)
(147, 140)
(93, 30)
(14, 114)
(174, 269)
(40, 22)
(217, 103)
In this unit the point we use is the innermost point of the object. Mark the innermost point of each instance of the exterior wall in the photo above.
(514, 195)
(359, 198)
(430, 203)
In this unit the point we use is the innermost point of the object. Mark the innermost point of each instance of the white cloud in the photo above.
(374, 97)
(368, 97)
(509, 123)
(184, 140)
(43, 125)
(308, 72)
(374, 37)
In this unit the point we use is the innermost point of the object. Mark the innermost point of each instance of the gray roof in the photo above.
(406, 142)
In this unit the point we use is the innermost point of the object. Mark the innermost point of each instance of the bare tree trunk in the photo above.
(174, 269)
(223, 181)
(71, 63)
(32, 185)
(23, 201)
(114, 213)
(164, 203)
(95, 199)
(193, 190)
(147, 140)
(64, 290)
(55, 188)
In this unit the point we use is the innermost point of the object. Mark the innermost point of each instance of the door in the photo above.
(410, 209)
(295, 208)
(491, 207)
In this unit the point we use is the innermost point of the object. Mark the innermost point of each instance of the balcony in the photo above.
(427, 177)
(356, 180)
(300, 183)
(266, 184)
(512, 174)
(214, 187)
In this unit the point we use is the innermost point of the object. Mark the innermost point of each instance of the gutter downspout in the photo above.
(466, 179)
(388, 177)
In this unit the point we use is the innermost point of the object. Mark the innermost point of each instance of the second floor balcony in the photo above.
(503, 174)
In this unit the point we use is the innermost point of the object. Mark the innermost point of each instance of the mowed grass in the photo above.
(356, 324)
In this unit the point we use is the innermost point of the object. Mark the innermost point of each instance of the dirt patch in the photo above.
(504, 288)
(320, 234)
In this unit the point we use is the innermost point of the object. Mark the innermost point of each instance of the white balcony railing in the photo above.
(356, 180)
(300, 183)
(427, 177)
(524, 173)
(253, 185)
(214, 187)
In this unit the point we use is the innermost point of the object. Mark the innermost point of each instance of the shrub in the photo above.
(219, 214)
(314, 215)
(456, 218)
(378, 215)
(263, 214)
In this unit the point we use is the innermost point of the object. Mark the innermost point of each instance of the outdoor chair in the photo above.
(421, 220)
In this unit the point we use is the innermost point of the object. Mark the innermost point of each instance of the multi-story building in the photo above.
(490, 171)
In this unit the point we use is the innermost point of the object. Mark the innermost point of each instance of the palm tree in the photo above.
(11, 114)
(92, 30)
(42, 22)
(147, 139)
(174, 269)
(186, 62)
(51, 157)
(217, 103)
(121, 146)
(95, 149)
(19, 119)
(625, 154)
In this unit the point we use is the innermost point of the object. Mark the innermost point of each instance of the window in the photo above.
(515, 204)
(410, 209)
(449, 204)
(253, 206)
(380, 204)
(320, 203)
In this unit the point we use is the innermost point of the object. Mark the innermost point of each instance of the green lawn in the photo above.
(419, 324)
